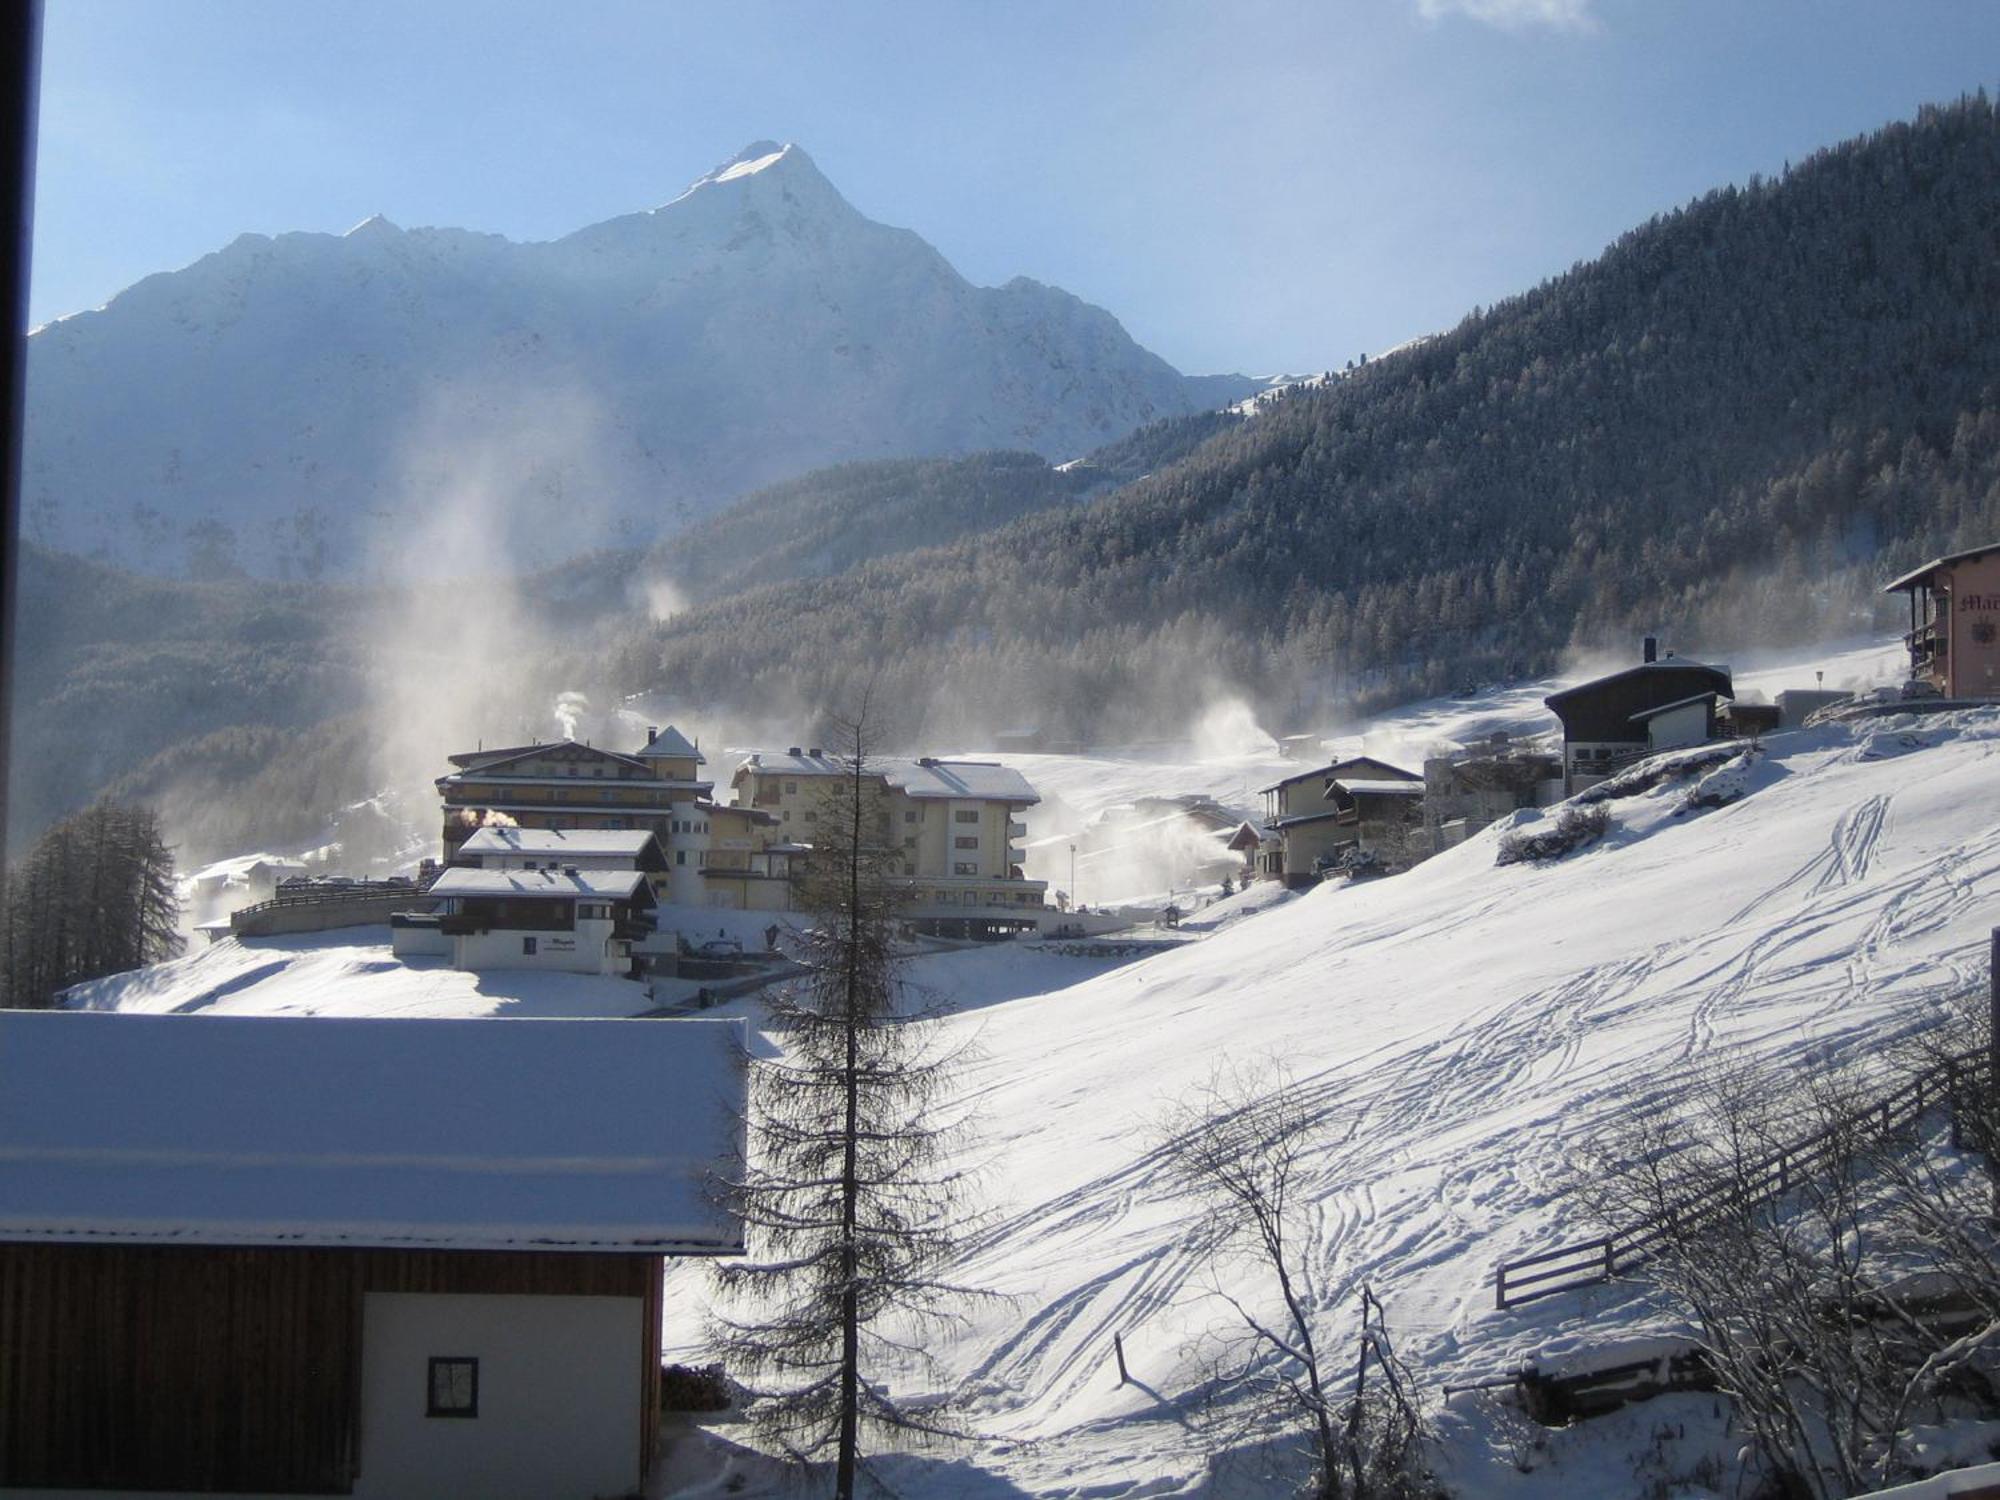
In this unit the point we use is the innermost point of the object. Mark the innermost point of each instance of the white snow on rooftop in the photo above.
(921, 777)
(560, 842)
(351, 972)
(456, 1134)
(510, 884)
(670, 742)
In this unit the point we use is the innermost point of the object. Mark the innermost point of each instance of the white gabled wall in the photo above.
(560, 1393)
(588, 949)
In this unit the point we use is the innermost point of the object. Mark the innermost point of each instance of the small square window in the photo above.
(454, 1386)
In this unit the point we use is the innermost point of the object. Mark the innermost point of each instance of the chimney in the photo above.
(1652, 648)
(815, 752)
(652, 733)
(794, 750)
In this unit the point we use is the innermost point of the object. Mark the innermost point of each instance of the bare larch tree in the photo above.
(851, 1199)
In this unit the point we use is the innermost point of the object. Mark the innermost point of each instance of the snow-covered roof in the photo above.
(1922, 575)
(1362, 764)
(1315, 772)
(670, 743)
(485, 1134)
(1665, 665)
(1666, 708)
(247, 864)
(925, 776)
(610, 885)
(1359, 788)
(486, 762)
(985, 779)
(560, 843)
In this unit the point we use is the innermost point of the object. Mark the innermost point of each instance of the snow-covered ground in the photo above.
(1460, 1030)
(349, 972)
(1228, 756)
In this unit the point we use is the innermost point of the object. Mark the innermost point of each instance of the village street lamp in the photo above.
(1074, 902)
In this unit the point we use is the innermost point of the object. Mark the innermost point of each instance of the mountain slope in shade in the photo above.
(294, 405)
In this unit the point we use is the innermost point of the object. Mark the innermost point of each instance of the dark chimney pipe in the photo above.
(1652, 648)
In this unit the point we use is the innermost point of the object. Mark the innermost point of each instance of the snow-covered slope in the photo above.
(1460, 1029)
(287, 399)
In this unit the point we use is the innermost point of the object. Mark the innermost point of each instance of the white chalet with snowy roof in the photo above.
(571, 918)
(380, 1258)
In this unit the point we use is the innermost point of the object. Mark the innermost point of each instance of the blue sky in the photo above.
(1251, 186)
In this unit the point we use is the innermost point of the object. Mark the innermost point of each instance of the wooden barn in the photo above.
(388, 1258)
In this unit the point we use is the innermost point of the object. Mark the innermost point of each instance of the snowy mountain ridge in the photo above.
(314, 404)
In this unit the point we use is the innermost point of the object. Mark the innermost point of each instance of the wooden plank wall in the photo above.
(171, 1367)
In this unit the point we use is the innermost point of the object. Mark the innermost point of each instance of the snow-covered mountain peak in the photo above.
(770, 161)
(753, 158)
(374, 227)
(296, 399)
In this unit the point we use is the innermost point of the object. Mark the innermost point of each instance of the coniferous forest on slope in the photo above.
(1731, 428)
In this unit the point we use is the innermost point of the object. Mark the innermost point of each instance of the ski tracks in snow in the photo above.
(1455, 1143)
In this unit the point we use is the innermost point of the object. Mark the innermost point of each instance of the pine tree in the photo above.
(852, 1205)
(95, 896)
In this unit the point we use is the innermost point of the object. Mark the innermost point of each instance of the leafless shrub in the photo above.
(1576, 827)
(1807, 1246)
(1244, 1149)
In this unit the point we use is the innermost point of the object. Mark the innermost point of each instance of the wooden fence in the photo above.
(1587, 1262)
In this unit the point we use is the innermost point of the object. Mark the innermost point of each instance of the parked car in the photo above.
(721, 947)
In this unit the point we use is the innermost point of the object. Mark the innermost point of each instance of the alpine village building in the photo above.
(1352, 811)
(1954, 635)
(534, 831)
(1660, 704)
(955, 824)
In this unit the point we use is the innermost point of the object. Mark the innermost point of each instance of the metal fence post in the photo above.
(1992, 1060)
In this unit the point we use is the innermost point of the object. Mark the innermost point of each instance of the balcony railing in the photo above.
(1926, 645)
